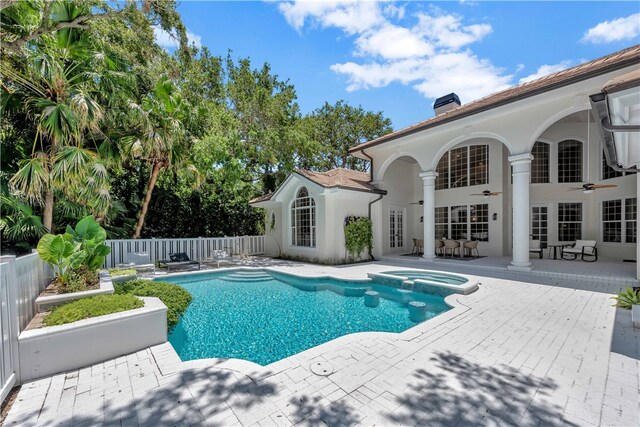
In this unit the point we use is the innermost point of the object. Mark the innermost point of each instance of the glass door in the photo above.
(396, 228)
(540, 224)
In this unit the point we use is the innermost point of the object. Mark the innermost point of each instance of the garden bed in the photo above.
(51, 349)
(47, 299)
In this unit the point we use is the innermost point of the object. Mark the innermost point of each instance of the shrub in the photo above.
(627, 298)
(91, 307)
(175, 297)
(116, 272)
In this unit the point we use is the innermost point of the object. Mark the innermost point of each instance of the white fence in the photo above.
(197, 248)
(21, 281)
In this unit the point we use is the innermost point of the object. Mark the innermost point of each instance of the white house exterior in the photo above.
(532, 144)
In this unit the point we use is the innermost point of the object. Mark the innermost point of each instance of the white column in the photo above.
(429, 215)
(521, 164)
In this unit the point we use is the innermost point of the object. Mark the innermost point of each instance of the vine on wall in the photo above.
(358, 236)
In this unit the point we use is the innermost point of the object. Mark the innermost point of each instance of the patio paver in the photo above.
(512, 353)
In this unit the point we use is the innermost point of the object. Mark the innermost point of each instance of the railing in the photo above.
(21, 281)
(197, 248)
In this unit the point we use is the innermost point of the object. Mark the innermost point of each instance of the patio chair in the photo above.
(534, 246)
(219, 257)
(470, 247)
(451, 246)
(179, 260)
(418, 245)
(439, 247)
(584, 248)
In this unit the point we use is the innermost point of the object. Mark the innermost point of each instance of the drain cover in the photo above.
(322, 368)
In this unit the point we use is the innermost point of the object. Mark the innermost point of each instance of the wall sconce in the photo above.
(421, 219)
(495, 216)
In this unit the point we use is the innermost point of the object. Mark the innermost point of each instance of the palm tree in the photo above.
(162, 141)
(54, 83)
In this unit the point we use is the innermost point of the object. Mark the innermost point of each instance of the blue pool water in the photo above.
(264, 317)
(431, 276)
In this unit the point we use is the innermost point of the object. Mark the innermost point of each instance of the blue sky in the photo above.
(397, 57)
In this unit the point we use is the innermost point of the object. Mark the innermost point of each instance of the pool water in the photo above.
(264, 317)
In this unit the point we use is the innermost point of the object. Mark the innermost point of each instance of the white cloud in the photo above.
(350, 16)
(429, 51)
(447, 30)
(392, 42)
(616, 30)
(544, 70)
(170, 41)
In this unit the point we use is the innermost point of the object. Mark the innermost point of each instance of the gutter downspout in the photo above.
(373, 201)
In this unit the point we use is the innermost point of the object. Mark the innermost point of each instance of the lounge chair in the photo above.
(219, 258)
(584, 248)
(534, 246)
(179, 260)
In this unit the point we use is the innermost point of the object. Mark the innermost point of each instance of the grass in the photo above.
(116, 272)
(91, 307)
(175, 297)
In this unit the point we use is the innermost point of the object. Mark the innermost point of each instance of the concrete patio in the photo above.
(523, 350)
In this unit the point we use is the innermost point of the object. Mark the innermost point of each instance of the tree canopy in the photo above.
(97, 119)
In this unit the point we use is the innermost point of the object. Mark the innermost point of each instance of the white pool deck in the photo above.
(524, 350)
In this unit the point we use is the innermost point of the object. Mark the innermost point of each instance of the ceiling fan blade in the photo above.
(575, 188)
(605, 186)
(495, 193)
(476, 194)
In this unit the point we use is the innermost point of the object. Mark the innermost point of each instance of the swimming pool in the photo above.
(431, 276)
(427, 281)
(264, 316)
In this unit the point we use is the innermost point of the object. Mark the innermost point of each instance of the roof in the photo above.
(614, 61)
(622, 82)
(345, 179)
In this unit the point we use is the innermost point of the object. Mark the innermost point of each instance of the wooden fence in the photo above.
(197, 248)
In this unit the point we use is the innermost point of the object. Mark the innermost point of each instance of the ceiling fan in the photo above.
(419, 202)
(589, 187)
(487, 193)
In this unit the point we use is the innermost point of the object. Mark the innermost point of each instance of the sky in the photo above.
(398, 57)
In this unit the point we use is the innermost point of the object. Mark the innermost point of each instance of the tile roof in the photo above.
(617, 60)
(342, 178)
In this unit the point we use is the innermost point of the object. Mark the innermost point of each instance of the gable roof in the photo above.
(612, 62)
(345, 179)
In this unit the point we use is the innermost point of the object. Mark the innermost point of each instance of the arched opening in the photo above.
(303, 219)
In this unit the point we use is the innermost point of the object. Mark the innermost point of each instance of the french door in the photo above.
(396, 227)
(540, 224)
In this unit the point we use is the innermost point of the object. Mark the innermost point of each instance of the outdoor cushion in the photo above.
(587, 245)
(179, 257)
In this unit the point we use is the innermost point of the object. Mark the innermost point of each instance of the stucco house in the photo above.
(501, 169)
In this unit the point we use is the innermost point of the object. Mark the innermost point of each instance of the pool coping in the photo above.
(169, 361)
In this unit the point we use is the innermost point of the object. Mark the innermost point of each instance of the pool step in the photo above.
(247, 276)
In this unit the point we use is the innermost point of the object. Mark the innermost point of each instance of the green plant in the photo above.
(175, 297)
(627, 298)
(91, 238)
(62, 254)
(91, 307)
(116, 272)
(358, 236)
(75, 282)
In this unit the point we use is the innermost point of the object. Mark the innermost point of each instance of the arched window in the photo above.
(540, 163)
(303, 219)
(570, 161)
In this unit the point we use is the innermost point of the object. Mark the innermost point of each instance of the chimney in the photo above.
(446, 103)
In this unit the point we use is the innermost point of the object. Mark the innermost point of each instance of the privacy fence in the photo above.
(21, 281)
(197, 248)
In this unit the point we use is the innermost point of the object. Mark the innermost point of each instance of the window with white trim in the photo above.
(463, 167)
(468, 222)
(303, 219)
(570, 161)
(569, 222)
(540, 163)
(619, 220)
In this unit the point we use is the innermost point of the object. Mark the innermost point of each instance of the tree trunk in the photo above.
(47, 214)
(147, 199)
